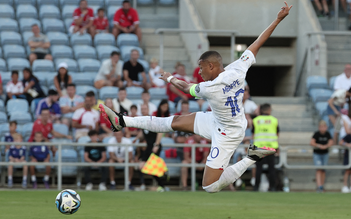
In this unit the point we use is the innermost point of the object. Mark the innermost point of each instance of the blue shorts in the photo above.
(331, 112)
(320, 159)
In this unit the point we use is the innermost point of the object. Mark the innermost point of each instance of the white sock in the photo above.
(34, 179)
(113, 183)
(151, 123)
(24, 178)
(46, 178)
(9, 177)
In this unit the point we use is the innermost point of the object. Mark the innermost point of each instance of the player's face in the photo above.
(144, 110)
(204, 71)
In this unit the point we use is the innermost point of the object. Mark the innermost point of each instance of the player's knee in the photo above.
(175, 123)
(213, 188)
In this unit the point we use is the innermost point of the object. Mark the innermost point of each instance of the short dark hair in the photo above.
(12, 122)
(125, 1)
(134, 106)
(264, 107)
(52, 92)
(90, 94)
(145, 92)
(101, 9)
(208, 54)
(45, 108)
(122, 88)
(71, 85)
(185, 102)
(115, 53)
(14, 72)
(134, 50)
(82, 1)
(38, 133)
(92, 132)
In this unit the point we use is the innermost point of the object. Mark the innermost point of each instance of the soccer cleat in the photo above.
(256, 154)
(116, 119)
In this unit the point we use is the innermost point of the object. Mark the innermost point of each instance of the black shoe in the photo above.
(256, 154)
(116, 119)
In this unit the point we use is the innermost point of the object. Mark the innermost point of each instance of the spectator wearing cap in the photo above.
(14, 88)
(122, 104)
(39, 45)
(62, 79)
(145, 96)
(155, 74)
(131, 71)
(110, 72)
(101, 24)
(126, 20)
(31, 84)
(83, 19)
(51, 103)
(343, 81)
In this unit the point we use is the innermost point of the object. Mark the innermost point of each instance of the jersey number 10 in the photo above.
(234, 103)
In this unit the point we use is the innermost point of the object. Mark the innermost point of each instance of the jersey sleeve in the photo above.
(200, 90)
(76, 14)
(135, 18)
(76, 115)
(116, 17)
(244, 63)
(91, 14)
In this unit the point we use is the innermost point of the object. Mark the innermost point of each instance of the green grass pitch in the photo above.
(169, 205)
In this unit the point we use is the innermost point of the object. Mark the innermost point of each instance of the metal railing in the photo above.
(163, 31)
(283, 159)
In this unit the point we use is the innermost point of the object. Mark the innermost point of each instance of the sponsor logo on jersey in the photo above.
(228, 88)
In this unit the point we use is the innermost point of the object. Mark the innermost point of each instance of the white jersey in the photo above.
(225, 95)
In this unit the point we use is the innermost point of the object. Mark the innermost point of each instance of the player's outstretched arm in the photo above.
(255, 46)
(181, 85)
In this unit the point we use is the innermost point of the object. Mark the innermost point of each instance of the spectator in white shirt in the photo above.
(250, 107)
(122, 104)
(117, 155)
(155, 74)
(70, 103)
(110, 72)
(14, 88)
(145, 96)
(86, 118)
(343, 81)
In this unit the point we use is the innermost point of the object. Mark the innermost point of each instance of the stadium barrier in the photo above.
(283, 159)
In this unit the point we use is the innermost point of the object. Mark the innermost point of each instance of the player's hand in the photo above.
(284, 11)
(165, 75)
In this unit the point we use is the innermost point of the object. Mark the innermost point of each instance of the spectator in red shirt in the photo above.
(162, 109)
(173, 93)
(196, 76)
(184, 109)
(201, 154)
(126, 20)
(101, 24)
(83, 19)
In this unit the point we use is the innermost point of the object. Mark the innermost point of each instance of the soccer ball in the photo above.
(68, 201)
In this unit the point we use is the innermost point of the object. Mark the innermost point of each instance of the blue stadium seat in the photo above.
(320, 95)
(47, 2)
(83, 89)
(6, 11)
(331, 82)
(34, 104)
(77, 39)
(72, 64)
(193, 106)
(49, 11)
(51, 24)
(321, 108)
(68, 23)
(89, 65)
(14, 51)
(20, 117)
(69, 2)
(204, 106)
(316, 82)
(25, 36)
(105, 39)
(99, 3)
(2, 106)
(125, 52)
(61, 51)
(58, 38)
(167, 2)
(27, 130)
(17, 105)
(84, 79)
(1, 52)
(167, 140)
(108, 92)
(26, 11)
(145, 2)
(8, 24)
(146, 66)
(3, 117)
(44, 77)
(158, 93)
(137, 101)
(25, 2)
(109, 3)
(45, 90)
(4, 128)
(17, 64)
(134, 92)
(26, 24)
(95, 8)
(6, 2)
(10, 37)
(111, 11)
(68, 155)
(84, 52)
(67, 11)
(43, 65)
(172, 107)
(6, 77)
(104, 52)
(61, 128)
(127, 39)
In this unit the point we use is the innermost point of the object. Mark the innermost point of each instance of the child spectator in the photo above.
(9, 135)
(17, 154)
(51, 103)
(39, 153)
(14, 88)
(321, 141)
(155, 74)
(95, 155)
(101, 24)
(62, 79)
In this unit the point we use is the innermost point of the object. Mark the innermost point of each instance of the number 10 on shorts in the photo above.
(234, 103)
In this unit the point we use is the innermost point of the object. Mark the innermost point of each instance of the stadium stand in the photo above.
(17, 64)
(78, 39)
(84, 52)
(8, 37)
(104, 39)
(26, 11)
(6, 11)
(43, 66)
(58, 38)
(49, 11)
(104, 52)
(89, 65)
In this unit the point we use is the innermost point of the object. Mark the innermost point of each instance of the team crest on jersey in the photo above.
(197, 88)
(244, 58)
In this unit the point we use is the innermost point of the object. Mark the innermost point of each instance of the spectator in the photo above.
(343, 81)
(70, 102)
(131, 71)
(196, 76)
(145, 96)
(105, 125)
(173, 93)
(97, 102)
(86, 118)
(101, 24)
(117, 155)
(322, 8)
(39, 153)
(201, 154)
(32, 88)
(110, 72)
(346, 141)
(184, 109)
(250, 107)
(14, 88)
(17, 154)
(155, 74)
(132, 132)
(9, 135)
(336, 101)
(62, 79)
(83, 19)
(95, 155)
(321, 141)
(39, 45)
(126, 20)
(51, 103)
(122, 104)
(162, 109)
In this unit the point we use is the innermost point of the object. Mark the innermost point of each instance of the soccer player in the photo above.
(225, 125)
